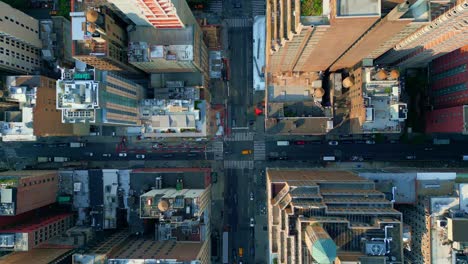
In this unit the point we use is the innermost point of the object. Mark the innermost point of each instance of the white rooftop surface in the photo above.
(19, 131)
(436, 176)
(77, 94)
(405, 184)
(172, 193)
(382, 116)
(464, 197)
(441, 252)
(258, 52)
(355, 8)
(290, 93)
(439, 205)
(77, 20)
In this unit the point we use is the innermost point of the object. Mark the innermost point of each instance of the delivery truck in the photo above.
(77, 144)
(61, 159)
(44, 159)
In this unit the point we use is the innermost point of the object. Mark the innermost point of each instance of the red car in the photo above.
(300, 142)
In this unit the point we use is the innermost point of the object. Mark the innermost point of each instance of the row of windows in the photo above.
(19, 24)
(39, 181)
(120, 88)
(451, 98)
(16, 65)
(18, 45)
(19, 56)
(451, 89)
(450, 72)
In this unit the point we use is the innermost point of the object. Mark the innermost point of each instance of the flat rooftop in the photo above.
(39, 255)
(138, 248)
(77, 94)
(288, 175)
(358, 8)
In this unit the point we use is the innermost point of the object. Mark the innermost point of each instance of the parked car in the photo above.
(370, 142)
(140, 156)
(38, 145)
(191, 154)
(89, 154)
(63, 145)
(411, 157)
(251, 196)
(122, 154)
(333, 143)
(106, 155)
(427, 149)
(252, 222)
(299, 142)
(167, 155)
(52, 145)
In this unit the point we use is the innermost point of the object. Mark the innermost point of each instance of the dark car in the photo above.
(299, 142)
(191, 154)
(167, 155)
(314, 142)
(52, 145)
(38, 145)
(63, 145)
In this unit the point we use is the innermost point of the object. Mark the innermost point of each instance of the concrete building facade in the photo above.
(392, 27)
(20, 44)
(156, 13)
(99, 39)
(33, 233)
(330, 217)
(99, 97)
(301, 43)
(448, 93)
(23, 191)
(444, 34)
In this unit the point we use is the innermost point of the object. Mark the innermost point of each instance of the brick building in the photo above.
(444, 34)
(28, 235)
(397, 22)
(449, 93)
(22, 191)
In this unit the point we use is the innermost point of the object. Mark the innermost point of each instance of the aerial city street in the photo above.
(233, 131)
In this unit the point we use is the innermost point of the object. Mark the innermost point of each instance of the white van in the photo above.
(282, 143)
(328, 158)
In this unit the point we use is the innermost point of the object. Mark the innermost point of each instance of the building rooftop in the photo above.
(138, 248)
(358, 8)
(382, 110)
(34, 224)
(174, 116)
(39, 255)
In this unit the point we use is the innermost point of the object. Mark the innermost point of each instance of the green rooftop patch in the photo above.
(311, 7)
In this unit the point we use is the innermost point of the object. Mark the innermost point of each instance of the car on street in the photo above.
(63, 145)
(52, 145)
(157, 145)
(410, 157)
(359, 141)
(191, 154)
(140, 156)
(252, 222)
(167, 155)
(427, 149)
(299, 142)
(89, 154)
(346, 142)
(314, 142)
(122, 154)
(106, 155)
(357, 158)
(38, 145)
(251, 196)
(246, 152)
(393, 141)
(370, 142)
(333, 143)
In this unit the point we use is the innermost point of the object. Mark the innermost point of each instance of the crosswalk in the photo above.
(218, 148)
(216, 6)
(239, 22)
(258, 8)
(240, 136)
(259, 150)
(239, 164)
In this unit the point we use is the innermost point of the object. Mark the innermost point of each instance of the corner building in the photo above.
(330, 217)
(301, 43)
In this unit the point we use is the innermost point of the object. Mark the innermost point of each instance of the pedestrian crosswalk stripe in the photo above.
(240, 136)
(238, 164)
(259, 150)
(239, 22)
(216, 6)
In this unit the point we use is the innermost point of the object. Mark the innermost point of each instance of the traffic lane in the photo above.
(377, 151)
